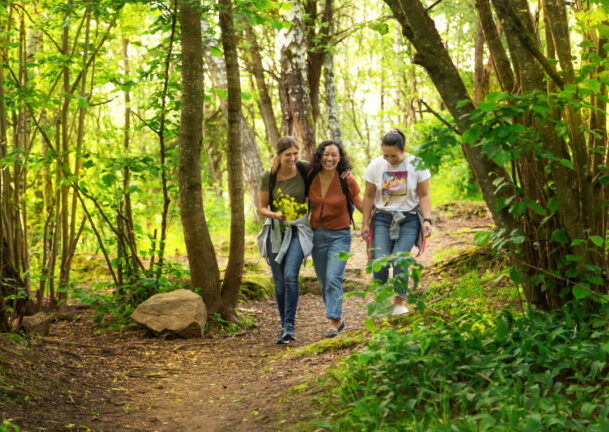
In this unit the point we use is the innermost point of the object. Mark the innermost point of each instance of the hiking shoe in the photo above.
(280, 338)
(341, 326)
(288, 333)
(331, 334)
(399, 310)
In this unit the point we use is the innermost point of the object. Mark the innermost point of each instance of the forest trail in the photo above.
(243, 382)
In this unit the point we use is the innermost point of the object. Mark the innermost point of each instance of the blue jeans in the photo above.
(385, 246)
(330, 270)
(285, 276)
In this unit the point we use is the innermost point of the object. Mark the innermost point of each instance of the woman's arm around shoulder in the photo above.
(354, 190)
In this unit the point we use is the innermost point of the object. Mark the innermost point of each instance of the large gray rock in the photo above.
(181, 313)
(38, 324)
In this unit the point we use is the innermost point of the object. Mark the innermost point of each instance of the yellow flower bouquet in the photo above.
(287, 205)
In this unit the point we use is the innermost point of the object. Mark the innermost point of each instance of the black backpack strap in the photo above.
(345, 187)
(272, 181)
(303, 173)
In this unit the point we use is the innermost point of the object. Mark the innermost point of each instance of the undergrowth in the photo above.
(479, 371)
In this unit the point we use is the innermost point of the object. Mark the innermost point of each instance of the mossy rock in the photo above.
(343, 341)
(463, 209)
(309, 284)
(257, 287)
(92, 266)
(257, 265)
(474, 257)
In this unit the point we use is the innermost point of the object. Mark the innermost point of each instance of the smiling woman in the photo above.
(397, 192)
(332, 198)
(284, 243)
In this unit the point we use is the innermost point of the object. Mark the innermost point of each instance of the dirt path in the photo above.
(242, 382)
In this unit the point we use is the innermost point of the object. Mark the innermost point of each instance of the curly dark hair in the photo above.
(396, 138)
(343, 163)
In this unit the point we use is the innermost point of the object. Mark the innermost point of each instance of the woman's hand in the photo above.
(345, 174)
(365, 232)
(427, 228)
(279, 216)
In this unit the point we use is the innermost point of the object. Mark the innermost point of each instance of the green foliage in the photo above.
(120, 303)
(440, 149)
(502, 373)
(382, 293)
(8, 426)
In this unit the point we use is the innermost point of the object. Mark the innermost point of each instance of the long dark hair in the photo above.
(395, 138)
(343, 163)
(282, 145)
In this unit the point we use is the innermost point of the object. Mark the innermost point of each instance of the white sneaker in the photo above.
(399, 310)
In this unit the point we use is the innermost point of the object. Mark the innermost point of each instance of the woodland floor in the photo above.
(84, 378)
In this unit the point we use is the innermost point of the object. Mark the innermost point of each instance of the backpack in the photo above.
(273, 180)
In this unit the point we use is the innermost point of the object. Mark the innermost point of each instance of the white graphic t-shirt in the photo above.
(396, 185)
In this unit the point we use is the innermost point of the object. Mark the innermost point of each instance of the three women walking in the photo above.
(396, 190)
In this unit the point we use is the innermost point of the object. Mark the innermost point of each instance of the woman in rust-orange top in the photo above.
(332, 199)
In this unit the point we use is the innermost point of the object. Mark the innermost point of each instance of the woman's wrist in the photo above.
(427, 220)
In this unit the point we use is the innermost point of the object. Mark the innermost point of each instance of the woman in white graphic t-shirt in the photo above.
(397, 187)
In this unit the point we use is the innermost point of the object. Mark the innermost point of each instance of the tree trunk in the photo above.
(65, 160)
(234, 269)
(264, 100)
(162, 147)
(297, 111)
(252, 163)
(331, 104)
(317, 47)
(204, 272)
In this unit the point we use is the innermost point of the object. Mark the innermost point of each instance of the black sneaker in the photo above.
(281, 338)
(288, 333)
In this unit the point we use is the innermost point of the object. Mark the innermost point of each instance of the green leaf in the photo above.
(605, 347)
(553, 204)
(109, 179)
(463, 103)
(487, 106)
(222, 93)
(518, 208)
(381, 28)
(566, 162)
(89, 164)
(597, 240)
(559, 236)
(580, 292)
(536, 207)
(472, 135)
(516, 275)
(590, 84)
(215, 51)
(481, 238)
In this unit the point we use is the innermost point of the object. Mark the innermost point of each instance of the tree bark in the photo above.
(264, 100)
(331, 104)
(234, 269)
(297, 111)
(317, 41)
(252, 163)
(204, 271)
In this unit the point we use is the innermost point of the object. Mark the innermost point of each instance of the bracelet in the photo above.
(427, 220)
